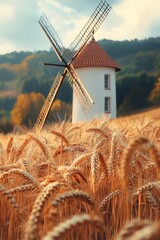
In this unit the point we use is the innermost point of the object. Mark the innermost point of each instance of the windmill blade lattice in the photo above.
(81, 93)
(49, 100)
(92, 25)
(52, 35)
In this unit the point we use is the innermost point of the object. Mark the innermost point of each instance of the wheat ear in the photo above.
(108, 198)
(61, 137)
(71, 195)
(94, 169)
(103, 164)
(22, 147)
(140, 230)
(9, 198)
(100, 131)
(23, 188)
(100, 143)
(1, 153)
(70, 224)
(80, 160)
(73, 171)
(8, 167)
(125, 165)
(9, 146)
(151, 200)
(31, 231)
(70, 148)
(147, 187)
(25, 165)
(41, 145)
(111, 161)
(20, 173)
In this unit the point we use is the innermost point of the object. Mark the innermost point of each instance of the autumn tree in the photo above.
(60, 111)
(27, 108)
(155, 93)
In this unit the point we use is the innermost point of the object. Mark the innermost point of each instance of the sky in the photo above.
(127, 20)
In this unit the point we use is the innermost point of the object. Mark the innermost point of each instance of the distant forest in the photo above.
(25, 81)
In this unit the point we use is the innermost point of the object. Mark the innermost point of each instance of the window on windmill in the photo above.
(106, 81)
(107, 105)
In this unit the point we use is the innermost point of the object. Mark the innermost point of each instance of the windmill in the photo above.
(67, 56)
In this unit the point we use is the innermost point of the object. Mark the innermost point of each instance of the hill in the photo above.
(24, 72)
(150, 113)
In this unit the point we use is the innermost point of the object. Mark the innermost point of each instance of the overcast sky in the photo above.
(128, 19)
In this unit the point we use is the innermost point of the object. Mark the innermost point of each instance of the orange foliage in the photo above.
(27, 107)
(155, 94)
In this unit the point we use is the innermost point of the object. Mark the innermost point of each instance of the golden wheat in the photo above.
(109, 168)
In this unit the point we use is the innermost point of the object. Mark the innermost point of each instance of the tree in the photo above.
(27, 107)
(155, 93)
(30, 85)
(133, 93)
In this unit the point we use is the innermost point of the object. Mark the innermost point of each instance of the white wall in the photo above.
(93, 79)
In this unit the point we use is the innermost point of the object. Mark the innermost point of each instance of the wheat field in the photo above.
(89, 181)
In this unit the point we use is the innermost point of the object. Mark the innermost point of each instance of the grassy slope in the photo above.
(146, 113)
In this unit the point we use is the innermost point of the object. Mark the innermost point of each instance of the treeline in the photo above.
(119, 49)
(24, 73)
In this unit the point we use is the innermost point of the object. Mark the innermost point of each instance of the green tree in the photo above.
(30, 85)
(133, 93)
(27, 108)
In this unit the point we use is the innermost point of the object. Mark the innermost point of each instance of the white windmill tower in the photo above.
(67, 57)
(97, 72)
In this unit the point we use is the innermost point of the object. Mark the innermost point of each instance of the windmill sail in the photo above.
(52, 35)
(49, 100)
(92, 25)
(81, 93)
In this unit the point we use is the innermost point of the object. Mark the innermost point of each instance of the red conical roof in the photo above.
(93, 55)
